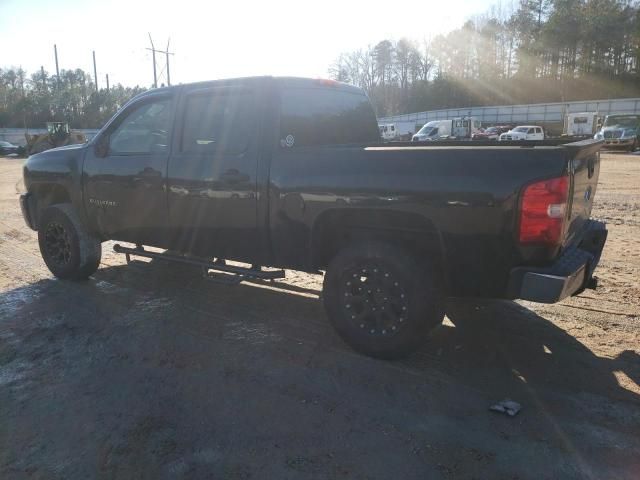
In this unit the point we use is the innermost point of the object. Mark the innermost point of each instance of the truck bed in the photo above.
(467, 194)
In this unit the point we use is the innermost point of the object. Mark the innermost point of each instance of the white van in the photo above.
(433, 131)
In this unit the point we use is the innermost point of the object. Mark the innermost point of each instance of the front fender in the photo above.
(57, 169)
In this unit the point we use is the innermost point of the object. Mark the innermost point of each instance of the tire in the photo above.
(633, 146)
(406, 296)
(69, 251)
(465, 313)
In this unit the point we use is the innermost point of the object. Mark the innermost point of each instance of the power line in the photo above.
(166, 53)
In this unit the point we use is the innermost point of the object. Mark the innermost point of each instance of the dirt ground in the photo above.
(149, 371)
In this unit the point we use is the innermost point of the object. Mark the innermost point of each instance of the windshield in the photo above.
(491, 130)
(521, 129)
(428, 131)
(627, 121)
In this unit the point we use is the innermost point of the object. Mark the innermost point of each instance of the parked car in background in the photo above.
(433, 130)
(454, 129)
(396, 132)
(465, 127)
(8, 148)
(523, 132)
(491, 133)
(388, 132)
(580, 124)
(620, 131)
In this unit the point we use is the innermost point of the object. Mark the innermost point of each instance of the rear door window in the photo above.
(218, 121)
(324, 116)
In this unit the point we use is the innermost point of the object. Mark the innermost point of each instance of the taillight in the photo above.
(543, 211)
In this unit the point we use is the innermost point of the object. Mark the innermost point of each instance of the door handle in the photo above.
(146, 175)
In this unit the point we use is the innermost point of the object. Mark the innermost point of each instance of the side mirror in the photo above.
(102, 147)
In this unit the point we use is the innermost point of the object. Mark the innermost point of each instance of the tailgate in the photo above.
(584, 167)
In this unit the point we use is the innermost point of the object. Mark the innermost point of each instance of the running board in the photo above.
(206, 265)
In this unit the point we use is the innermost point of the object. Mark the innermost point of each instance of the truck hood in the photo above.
(61, 164)
(616, 128)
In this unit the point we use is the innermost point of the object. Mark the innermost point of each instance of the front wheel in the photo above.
(381, 300)
(69, 251)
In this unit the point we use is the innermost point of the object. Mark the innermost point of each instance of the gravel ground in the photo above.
(149, 371)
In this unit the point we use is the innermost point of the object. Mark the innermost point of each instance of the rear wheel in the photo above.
(382, 301)
(69, 251)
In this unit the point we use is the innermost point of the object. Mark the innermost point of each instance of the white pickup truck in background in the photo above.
(523, 132)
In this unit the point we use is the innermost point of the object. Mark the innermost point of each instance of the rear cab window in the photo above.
(314, 116)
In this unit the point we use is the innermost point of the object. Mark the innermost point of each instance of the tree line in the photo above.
(29, 101)
(532, 52)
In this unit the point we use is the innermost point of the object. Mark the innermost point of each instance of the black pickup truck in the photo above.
(291, 173)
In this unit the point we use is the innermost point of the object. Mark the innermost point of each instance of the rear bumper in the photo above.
(28, 207)
(569, 275)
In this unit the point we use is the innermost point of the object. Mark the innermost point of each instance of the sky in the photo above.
(212, 39)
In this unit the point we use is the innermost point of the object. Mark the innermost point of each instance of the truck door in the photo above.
(125, 173)
(212, 184)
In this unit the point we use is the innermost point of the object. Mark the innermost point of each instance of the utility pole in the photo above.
(166, 53)
(107, 82)
(167, 57)
(95, 71)
(55, 51)
(21, 80)
(44, 80)
(153, 52)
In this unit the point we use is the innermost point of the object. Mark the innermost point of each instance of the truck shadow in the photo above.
(494, 345)
(505, 344)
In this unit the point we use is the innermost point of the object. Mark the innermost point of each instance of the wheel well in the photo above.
(335, 229)
(47, 195)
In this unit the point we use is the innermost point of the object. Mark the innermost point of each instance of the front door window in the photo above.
(143, 131)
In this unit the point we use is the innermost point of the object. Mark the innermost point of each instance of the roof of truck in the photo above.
(284, 81)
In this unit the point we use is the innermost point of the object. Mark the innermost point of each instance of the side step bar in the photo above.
(206, 265)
